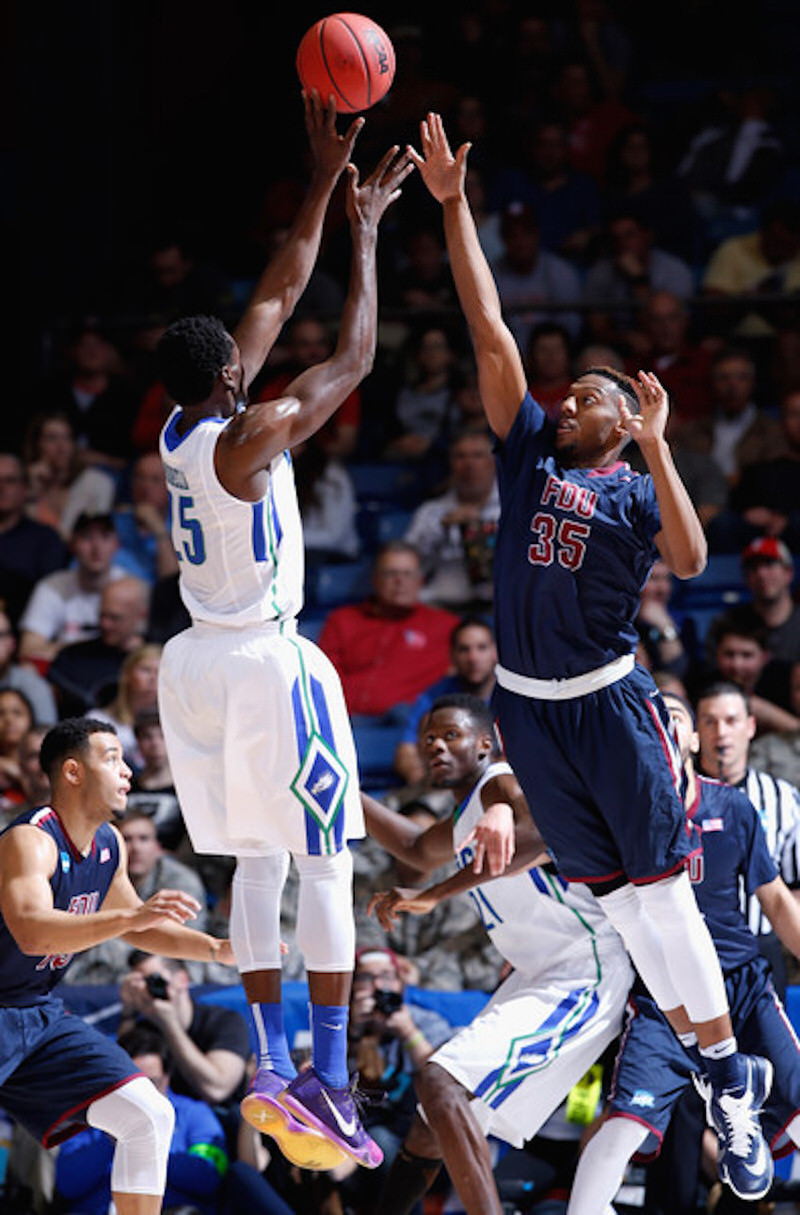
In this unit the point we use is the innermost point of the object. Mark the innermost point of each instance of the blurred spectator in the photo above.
(635, 178)
(424, 282)
(142, 525)
(209, 1044)
(768, 571)
(620, 280)
(391, 646)
(136, 693)
(735, 157)
(152, 787)
(740, 654)
(735, 433)
(779, 752)
(455, 533)
(64, 607)
(32, 776)
(16, 719)
(389, 1040)
(424, 406)
(24, 678)
(151, 868)
(85, 673)
(597, 354)
(485, 214)
(658, 629)
(61, 487)
(534, 284)
(198, 1157)
(589, 105)
(473, 657)
(767, 498)
(662, 342)
(171, 280)
(327, 500)
(96, 395)
(754, 280)
(29, 551)
(306, 342)
(565, 201)
(548, 363)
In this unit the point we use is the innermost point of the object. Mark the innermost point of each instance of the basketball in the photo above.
(349, 56)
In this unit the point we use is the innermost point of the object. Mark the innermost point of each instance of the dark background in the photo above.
(118, 118)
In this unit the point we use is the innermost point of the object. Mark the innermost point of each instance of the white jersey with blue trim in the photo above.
(241, 563)
(534, 916)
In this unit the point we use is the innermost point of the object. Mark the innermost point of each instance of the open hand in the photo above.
(494, 839)
(162, 907)
(330, 150)
(442, 172)
(649, 424)
(367, 201)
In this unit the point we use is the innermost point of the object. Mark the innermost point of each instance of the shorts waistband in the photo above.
(286, 628)
(565, 689)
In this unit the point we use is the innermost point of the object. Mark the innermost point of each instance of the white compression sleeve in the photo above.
(255, 922)
(602, 1166)
(141, 1121)
(325, 926)
(670, 945)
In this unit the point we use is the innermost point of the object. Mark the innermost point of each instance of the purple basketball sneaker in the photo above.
(332, 1112)
(298, 1141)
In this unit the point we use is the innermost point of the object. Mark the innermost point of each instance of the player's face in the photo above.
(474, 654)
(107, 778)
(589, 425)
(452, 748)
(234, 380)
(725, 729)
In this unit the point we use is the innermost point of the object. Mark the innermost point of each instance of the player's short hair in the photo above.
(623, 382)
(69, 739)
(477, 709)
(723, 687)
(667, 694)
(191, 355)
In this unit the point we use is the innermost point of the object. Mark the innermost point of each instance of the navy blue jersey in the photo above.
(79, 884)
(574, 549)
(734, 858)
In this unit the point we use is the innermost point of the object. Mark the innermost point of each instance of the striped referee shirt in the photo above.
(778, 806)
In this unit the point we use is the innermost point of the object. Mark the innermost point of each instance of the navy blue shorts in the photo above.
(652, 1068)
(602, 776)
(53, 1066)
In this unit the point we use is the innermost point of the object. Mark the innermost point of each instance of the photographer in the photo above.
(209, 1044)
(389, 1043)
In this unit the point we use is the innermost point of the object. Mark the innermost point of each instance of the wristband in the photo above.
(415, 1039)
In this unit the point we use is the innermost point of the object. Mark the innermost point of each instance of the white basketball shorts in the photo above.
(259, 741)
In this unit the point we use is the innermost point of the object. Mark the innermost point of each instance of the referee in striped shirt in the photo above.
(725, 727)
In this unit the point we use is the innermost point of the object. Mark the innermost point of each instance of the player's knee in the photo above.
(151, 1117)
(439, 1094)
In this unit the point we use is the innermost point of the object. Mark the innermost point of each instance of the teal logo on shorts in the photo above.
(321, 782)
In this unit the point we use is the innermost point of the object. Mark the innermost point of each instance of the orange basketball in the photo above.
(347, 55)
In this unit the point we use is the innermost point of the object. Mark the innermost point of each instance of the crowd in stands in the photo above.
(631, 220)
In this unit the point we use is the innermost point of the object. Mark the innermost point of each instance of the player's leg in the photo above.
(602, 1164)
(463, 1143)
(322, 1096)
(141, 1121)
(255, 938)
(413, 1170)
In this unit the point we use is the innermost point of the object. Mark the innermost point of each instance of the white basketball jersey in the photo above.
(535, 916)
(240, 562)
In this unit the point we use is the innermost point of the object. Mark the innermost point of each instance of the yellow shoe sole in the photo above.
(300, 1144)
